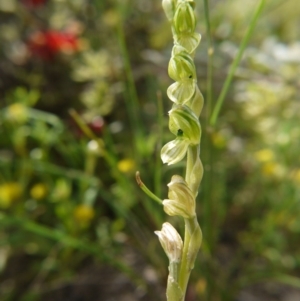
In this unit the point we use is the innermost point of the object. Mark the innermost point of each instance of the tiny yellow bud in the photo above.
(38, 191)
(264, 155)
(273, 169)
(9, 192)
(126, 165)
(84, 214)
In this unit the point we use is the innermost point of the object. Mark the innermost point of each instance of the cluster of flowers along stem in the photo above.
(184, 124)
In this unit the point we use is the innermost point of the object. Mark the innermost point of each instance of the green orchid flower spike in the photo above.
(184, 124)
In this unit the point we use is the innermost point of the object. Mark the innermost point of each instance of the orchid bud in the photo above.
(181, 199)
(174, 151)
(184, 18)
(184, 123)
(171, 242)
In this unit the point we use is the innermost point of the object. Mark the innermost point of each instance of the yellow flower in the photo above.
(84, 214)
(126, 165)
(264, 155)
(201, 286)
(17, 112)
(272, 169)
(38, 191)
(296, 176)
(9, 192)
(218, 140)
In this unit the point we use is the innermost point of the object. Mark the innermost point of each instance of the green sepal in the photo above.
(178, 50)
(174, 208)
(196, 102)
(189, 41)
(181, 91)
(174, 151)
(194, 246)
(174, 292)
(194, 172)
(181, 201)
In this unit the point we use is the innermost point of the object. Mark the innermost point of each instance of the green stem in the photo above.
(210, 52)
(83, 126)
(235, 64)
(146, 189)
(192, 242)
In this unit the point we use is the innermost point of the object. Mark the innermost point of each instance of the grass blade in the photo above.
(235, 64)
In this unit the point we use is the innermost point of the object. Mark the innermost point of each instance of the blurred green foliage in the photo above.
(82, 89)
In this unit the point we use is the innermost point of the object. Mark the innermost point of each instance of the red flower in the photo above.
(49, 43)
(33, 3)
(97, 124)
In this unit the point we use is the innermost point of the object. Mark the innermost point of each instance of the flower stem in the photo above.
(192, 243)
(146, 189)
